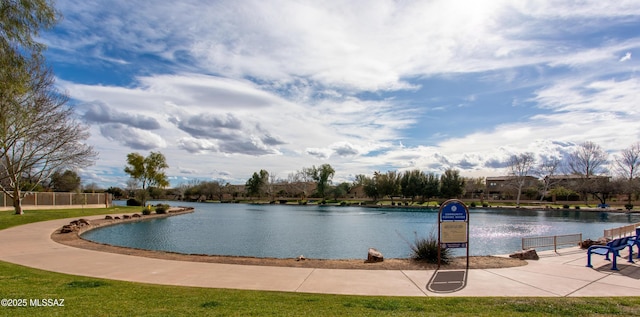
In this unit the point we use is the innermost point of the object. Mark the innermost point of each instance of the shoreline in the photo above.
(541, 207)
(74, 239)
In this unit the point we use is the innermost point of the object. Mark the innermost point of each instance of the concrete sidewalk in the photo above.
(553, 275)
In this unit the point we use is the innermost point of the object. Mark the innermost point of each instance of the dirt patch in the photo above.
(475, 262)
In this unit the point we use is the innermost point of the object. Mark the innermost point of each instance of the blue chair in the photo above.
(631, 242)
(613, 247)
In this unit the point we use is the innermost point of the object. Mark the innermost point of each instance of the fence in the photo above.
(551, 241)
(619, 232)
(42, 200)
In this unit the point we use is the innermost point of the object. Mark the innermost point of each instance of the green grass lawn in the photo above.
(85, 296)
(8, 219)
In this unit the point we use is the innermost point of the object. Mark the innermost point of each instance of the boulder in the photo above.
(136, 216)
(107, 217)
(529, 254)
(374, 256)
(126, 217)
(80, 222)
(68, 228)
(587, 243)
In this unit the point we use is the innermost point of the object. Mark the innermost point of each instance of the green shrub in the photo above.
(426, 249)
(577, 207)
(133, 202)
(146, 212)
(473, 204)
(565, 206)
(628, 206)
(162, 208)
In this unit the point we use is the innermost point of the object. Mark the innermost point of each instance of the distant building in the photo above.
(571, 181)
(357, 192)
(505, 187)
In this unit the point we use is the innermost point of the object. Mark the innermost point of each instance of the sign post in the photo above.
(453, 227)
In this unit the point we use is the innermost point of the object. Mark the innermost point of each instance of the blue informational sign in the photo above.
(453, 227)
(454, 211)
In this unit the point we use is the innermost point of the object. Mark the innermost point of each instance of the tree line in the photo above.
(588, 165)
(594, 173)
(316, 182)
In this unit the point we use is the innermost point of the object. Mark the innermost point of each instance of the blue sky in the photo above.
(226, 88)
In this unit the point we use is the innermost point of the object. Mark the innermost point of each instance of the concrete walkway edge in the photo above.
(552, 276)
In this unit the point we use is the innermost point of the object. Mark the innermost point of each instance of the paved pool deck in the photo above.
(554, 275)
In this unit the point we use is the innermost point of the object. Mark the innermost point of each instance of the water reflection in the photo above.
(342, 232)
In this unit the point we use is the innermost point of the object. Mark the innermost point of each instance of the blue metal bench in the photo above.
(634, 241)
(614, 247)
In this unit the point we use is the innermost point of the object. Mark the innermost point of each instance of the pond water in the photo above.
(332, 232)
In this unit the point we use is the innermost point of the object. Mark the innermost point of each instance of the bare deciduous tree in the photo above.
(297, 183)
(271, 188)
(38, 135)
(546, 170)
(627, 165)
(520, 167)
(476, 187)
(587, 161)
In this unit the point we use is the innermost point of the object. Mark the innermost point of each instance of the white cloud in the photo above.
(132, 137)
(358, 45)
(101, 113)
(319, 153)
(604, 112)
(196, 146)
(601, 96)
(345, 149)
(219, 119)
(626, 57)
(281, 85)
